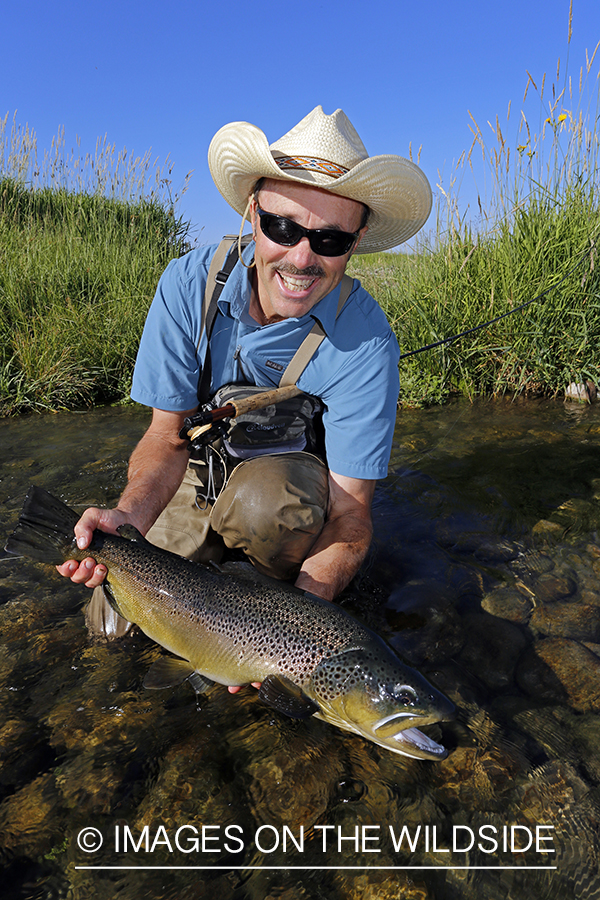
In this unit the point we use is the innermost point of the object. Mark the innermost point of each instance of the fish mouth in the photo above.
(409, 740)
(422, 746)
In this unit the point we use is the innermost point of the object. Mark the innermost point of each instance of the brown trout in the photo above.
(311, 656)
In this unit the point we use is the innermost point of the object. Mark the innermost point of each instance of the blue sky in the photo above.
(167, 76)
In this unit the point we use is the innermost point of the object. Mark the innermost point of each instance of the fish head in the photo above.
(379, 697)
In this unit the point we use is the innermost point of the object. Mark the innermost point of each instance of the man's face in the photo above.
(291, 280)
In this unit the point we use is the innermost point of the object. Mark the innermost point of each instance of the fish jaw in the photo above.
(399, 732)
(407, 740)
(370, 692)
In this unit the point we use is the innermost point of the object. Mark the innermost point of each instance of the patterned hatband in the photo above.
(311, 163)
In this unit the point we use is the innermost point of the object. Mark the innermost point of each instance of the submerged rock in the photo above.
(492, 649)
(508, 603)
(577, 621)
(561, 670)
(551, 587)
(532, 565)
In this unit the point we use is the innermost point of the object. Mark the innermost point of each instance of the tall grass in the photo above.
(83, 242)
(539, 221)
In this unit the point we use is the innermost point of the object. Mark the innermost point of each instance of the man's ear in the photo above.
(252, 216)
(363, 231)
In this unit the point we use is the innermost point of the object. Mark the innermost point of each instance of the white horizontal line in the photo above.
(312, 868)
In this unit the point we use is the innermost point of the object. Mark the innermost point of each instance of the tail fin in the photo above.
(45, 528)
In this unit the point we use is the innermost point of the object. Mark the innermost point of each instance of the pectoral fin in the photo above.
(286, 697)
(168, 672)
(200, 683)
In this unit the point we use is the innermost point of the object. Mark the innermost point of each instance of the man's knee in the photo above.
(184, 525)
(274, 508)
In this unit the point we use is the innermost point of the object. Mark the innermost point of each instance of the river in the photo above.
(484, 574)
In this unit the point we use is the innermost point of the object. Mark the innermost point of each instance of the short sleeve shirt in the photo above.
(354, 371)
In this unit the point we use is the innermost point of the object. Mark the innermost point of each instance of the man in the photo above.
(313, 198)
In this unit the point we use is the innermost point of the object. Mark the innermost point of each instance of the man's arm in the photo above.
(156, 468)
(344, 541)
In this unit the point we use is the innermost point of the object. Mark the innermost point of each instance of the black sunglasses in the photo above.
(323, 241)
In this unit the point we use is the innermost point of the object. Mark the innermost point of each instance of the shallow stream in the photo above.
(484, 574)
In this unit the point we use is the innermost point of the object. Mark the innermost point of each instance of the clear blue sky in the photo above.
(166, 76)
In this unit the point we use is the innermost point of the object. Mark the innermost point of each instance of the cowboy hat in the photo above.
(326, 152)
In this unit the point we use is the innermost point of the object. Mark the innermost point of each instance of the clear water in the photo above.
(484, 574)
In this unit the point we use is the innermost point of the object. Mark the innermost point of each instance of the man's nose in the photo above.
(301, 255)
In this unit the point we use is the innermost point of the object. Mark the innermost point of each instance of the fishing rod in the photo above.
(202, 421)
(455, 337)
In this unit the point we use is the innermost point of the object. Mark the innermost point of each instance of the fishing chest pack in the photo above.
(283, 426)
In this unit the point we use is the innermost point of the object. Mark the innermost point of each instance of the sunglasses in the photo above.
(323, 241)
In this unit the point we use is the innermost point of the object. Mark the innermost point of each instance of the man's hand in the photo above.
(156, 468)
(234, 690)
(87, 571)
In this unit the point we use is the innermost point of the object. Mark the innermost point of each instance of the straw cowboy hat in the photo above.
(326, 152)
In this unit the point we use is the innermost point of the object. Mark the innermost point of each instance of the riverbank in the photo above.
(83, 244)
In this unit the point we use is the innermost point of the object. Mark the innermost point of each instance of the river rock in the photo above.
(577, 621)
(548, 531)
(31, 819)
(425, 623)
(561, 669)
(551, 587)
(577, 515)
(508, 603)
(492, 649)
(590, 598)
(532, 565)
(582, 392)
(440, 639)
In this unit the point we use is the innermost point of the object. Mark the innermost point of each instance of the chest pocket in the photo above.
(281, 427)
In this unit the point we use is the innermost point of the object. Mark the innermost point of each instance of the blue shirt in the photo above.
(354, 371)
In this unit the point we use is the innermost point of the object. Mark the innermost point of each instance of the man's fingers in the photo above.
(86, 572)
(234, 689)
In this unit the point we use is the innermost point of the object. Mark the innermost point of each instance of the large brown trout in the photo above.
(311, 656)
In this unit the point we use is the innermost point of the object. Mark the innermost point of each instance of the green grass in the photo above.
(83, 243)
(540, 223)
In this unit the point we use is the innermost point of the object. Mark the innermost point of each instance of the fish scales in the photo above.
(311, 656)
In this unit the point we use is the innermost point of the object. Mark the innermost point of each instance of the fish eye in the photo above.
(405, 694)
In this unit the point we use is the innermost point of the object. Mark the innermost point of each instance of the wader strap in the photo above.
(313, 340)
(221, 266)
(211, 282)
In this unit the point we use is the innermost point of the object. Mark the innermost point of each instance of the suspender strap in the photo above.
(313, 340)
(221, 266)
(214, 285)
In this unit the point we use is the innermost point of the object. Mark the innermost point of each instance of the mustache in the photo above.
(289, 269)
